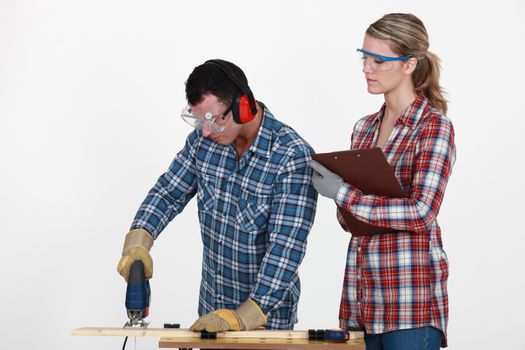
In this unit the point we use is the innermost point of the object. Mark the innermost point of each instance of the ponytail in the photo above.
(426, 81)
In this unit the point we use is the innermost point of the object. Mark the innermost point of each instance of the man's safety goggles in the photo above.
(379, 62)
(208, 121)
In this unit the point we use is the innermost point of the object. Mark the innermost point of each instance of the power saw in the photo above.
(138, 295)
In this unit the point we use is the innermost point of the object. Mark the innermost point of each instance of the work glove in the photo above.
(325, 182)
(136, 247)
(247, 317)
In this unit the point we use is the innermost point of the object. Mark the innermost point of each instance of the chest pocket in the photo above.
(205, 195)
(253, 211)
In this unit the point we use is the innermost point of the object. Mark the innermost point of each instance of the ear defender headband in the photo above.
(243, 105)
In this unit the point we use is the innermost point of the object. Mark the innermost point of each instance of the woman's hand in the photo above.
(325, 182)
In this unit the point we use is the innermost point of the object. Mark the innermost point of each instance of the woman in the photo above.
(395, 283)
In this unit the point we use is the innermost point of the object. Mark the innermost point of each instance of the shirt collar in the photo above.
(263, 141)
(412, 113)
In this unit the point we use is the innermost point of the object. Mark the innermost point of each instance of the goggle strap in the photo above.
(228, 110)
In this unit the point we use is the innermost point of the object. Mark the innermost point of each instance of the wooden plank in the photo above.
(134, 332)
(185, 333)
(259, 344)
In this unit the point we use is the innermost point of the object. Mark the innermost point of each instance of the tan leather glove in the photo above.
(247, 317)
(136, 247)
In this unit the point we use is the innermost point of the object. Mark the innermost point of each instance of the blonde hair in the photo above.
(407, 36)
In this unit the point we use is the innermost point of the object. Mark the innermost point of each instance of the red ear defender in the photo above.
(241, 110)
(243, 107)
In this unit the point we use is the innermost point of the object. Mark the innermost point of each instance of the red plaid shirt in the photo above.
(398, 280)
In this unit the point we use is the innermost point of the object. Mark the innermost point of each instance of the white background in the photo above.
(90, 96)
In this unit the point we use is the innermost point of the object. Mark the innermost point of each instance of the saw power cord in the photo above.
(126, 340)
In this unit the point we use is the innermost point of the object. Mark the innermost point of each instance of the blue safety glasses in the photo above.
(379, 62)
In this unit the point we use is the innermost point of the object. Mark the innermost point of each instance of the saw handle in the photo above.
(138, 291)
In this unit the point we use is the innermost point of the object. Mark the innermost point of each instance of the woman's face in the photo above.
(383, 77)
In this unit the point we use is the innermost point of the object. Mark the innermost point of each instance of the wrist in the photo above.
(346, 195)
(138, 238)
(338, 187)
(251, 315)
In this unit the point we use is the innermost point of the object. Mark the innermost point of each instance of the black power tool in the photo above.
(137, 296)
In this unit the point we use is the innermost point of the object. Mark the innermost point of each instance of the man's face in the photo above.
(211, 104)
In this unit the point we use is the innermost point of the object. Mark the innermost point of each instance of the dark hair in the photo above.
(210, 79)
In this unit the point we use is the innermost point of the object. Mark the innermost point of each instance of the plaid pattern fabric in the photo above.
(255, 214)
(398, 280)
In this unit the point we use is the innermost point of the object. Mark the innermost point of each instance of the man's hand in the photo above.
(325, 182)
(136, 247)
(247, 317)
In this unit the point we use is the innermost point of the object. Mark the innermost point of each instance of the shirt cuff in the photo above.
(346, 196)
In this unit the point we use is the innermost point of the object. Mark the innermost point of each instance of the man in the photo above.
(255, 201)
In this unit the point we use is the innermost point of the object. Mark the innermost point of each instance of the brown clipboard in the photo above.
(369, 171)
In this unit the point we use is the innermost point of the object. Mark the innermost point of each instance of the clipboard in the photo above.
(369, 171)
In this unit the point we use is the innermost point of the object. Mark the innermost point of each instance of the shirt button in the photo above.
(359, 248)
(219, 298)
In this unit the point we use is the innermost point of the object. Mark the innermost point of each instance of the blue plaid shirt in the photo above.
(255, 214)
